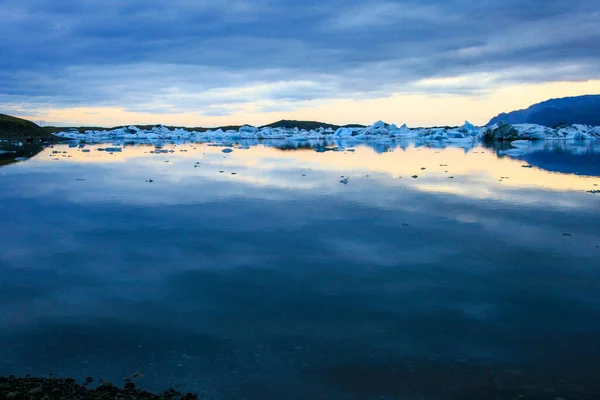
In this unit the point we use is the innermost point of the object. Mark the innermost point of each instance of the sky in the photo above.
(216, 62)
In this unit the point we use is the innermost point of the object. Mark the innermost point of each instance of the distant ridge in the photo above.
(308, 125)
(583, 110)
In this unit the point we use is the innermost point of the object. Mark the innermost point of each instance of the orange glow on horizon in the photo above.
(411, 108)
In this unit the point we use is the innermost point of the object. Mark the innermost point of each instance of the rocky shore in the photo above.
(34, 388)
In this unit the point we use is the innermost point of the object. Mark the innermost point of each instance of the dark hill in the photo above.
(13, 128)
(567, 110)
(308, 125)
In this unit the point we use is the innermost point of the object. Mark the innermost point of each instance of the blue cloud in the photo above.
(131, 53)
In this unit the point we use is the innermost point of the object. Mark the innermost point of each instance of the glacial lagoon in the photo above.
(276, 270)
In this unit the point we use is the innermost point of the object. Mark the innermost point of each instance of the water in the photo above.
(274, 280)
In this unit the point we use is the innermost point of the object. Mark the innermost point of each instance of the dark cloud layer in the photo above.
(172, 56)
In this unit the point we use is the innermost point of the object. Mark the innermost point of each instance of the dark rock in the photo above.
(502, 132)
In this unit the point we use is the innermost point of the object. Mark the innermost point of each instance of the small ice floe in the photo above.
(21, 159)
(344, 181)
(6, 152)
(85, 150)
(521, 143)
(111, 149)
(512, 152)
(227, 150)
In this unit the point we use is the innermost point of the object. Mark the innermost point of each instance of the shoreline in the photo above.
(51, 388)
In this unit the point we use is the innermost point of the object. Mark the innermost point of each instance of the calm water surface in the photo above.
(274, 280)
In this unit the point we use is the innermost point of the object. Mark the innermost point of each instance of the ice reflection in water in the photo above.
(281, 282)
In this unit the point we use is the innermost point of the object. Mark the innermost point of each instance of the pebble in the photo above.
(36, 390)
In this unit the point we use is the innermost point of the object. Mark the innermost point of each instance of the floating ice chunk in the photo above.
(521, 143)
(21, 159)
(228, 150)
(469, 129)
(513, 152)
(378, 125)
(248, 129)
(344, 132)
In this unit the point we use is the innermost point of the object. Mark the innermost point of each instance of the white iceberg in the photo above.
(464, 136)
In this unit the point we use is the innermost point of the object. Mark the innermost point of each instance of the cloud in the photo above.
(187, 56)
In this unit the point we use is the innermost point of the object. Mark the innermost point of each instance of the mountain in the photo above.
(567, 110)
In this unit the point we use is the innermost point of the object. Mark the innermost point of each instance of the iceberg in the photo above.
(464, 136)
